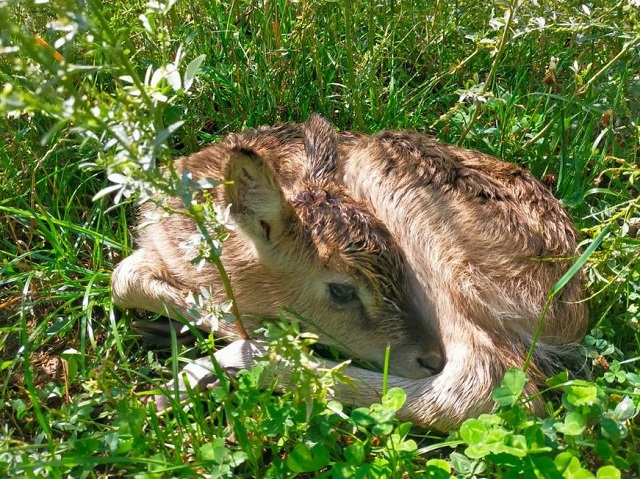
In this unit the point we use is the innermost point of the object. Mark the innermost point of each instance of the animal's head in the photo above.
(335, 264)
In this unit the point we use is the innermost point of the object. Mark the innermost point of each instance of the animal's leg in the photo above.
(141, 281)
(201, 373)
(461, 390)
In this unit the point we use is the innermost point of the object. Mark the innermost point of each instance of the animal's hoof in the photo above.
(160, 401)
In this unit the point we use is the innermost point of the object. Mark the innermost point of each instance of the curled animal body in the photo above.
(446, 254)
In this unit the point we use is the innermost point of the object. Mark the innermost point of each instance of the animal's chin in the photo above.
(417, 373)
(403, 371)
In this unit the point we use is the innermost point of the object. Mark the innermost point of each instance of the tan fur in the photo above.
(452, 253)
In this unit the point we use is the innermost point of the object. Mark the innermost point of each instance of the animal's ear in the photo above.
(321, 148)
(258, 204)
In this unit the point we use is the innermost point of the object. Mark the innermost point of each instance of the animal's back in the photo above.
(478, 231)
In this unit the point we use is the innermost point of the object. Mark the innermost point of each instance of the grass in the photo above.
(551, 86)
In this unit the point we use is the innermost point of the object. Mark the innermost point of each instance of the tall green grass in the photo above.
(553, 86)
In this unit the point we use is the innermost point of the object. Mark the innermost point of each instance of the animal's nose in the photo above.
(434, 362)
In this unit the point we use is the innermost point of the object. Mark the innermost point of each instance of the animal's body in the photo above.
(446, 254)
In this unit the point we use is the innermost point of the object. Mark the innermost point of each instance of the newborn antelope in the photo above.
(445, 254)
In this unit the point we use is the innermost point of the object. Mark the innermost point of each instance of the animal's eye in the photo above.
(342, 293)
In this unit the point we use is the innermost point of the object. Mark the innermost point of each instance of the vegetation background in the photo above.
(95, 94)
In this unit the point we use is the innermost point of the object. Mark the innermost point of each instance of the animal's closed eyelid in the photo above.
(342, 293)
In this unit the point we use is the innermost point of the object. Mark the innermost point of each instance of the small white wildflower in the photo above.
(206, 311)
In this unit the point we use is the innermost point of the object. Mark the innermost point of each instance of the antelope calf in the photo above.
(445, 254)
